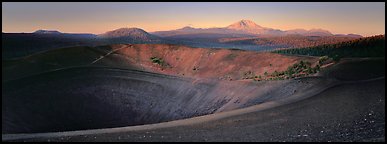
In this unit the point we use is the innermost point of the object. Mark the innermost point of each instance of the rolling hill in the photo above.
(22, 44)
(129, 35)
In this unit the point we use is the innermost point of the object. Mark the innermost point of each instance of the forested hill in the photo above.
(373, 46)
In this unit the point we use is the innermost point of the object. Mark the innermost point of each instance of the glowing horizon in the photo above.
(339, 18)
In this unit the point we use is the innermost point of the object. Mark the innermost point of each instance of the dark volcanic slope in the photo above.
(345, 103)
(85, 98)
(350, 112)
(89, 98)
(357, 69)
(346, 112)
(22, 44)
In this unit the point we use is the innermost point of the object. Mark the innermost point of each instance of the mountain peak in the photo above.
(47, 32)
(126, 29)
(244, 24)
(135, 34)
(187, 28)
(122, 32)
(318, 30)
(247, 26)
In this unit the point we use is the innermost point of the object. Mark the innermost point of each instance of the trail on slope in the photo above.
(107, 54)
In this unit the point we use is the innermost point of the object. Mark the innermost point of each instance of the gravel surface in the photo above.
(349, 112)
(345, 102)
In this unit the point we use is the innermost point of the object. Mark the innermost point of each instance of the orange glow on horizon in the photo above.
(338, 18)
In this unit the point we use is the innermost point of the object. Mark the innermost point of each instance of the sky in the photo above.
(73, 17)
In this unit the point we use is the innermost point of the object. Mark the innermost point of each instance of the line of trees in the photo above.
(290, 41)
(373, 46)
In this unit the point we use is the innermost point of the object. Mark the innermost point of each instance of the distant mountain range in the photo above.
(240, 29)
(243, 28)
(244, 34)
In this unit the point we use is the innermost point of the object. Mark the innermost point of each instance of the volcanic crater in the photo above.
(84, 88)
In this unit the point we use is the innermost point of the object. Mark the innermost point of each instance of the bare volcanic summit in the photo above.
(134, 34)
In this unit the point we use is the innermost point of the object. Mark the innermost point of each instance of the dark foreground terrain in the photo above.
(343, 102)
(349, 112)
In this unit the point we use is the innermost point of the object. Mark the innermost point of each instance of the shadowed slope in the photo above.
(89, 98)
(357, 69)
(351, 111)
